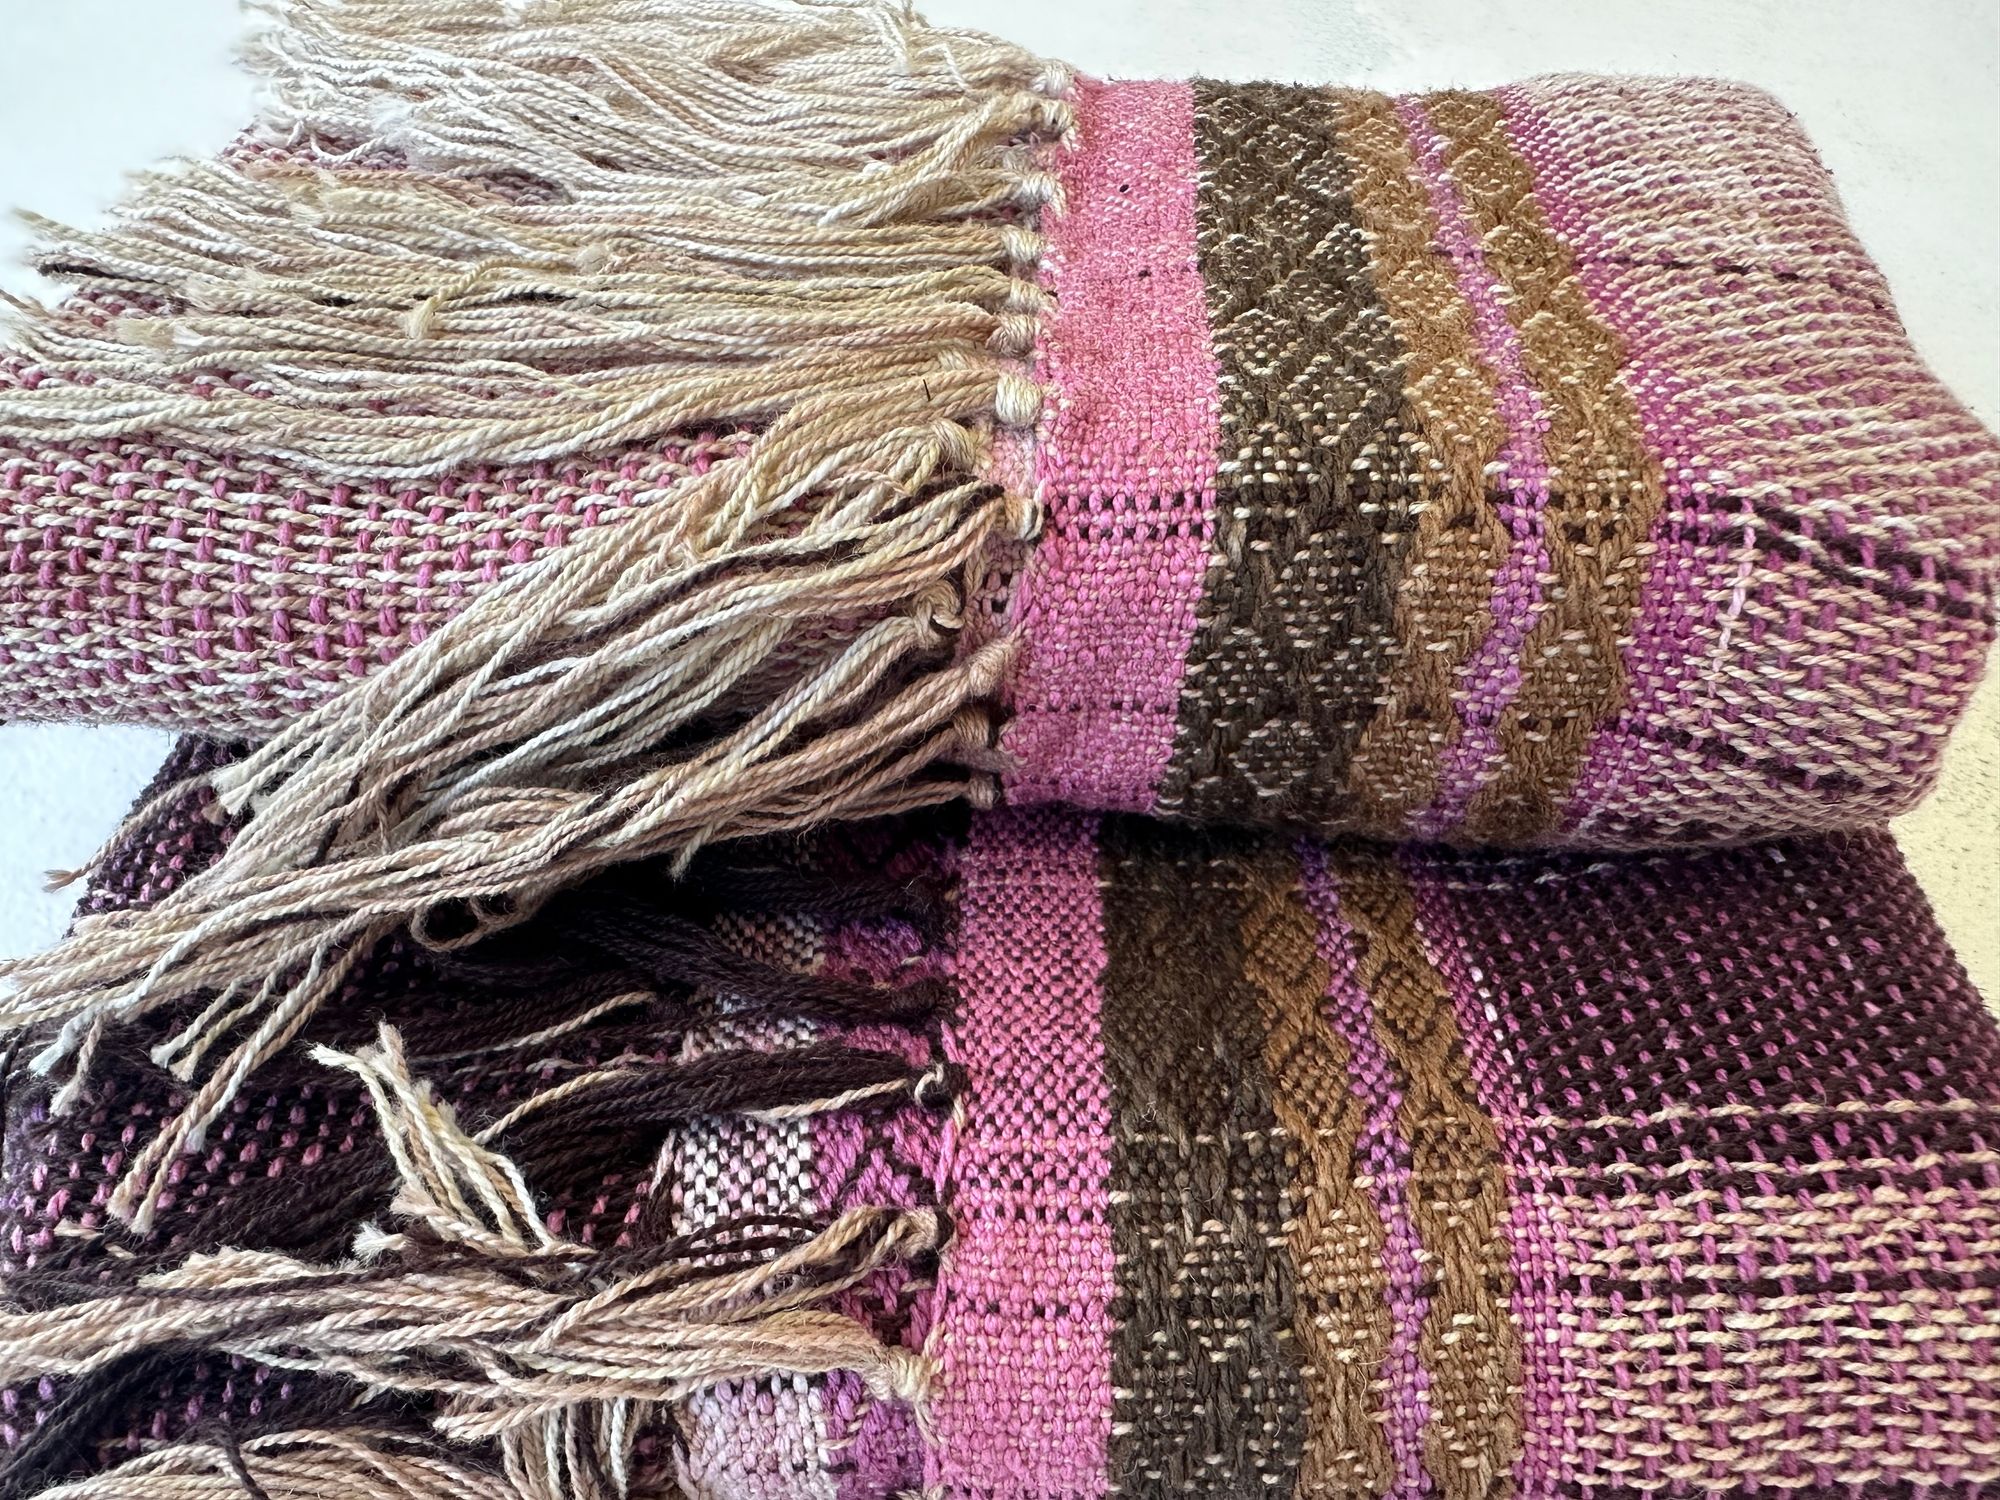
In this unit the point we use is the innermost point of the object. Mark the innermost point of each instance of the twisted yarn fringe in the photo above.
(356, 1464)
(603, 221)
(559, 1354)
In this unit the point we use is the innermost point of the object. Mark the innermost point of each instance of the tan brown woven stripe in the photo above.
(1335, 1237)
(1451, 408)
(1208, 1396)
(1458, 1197)
(1605, 488)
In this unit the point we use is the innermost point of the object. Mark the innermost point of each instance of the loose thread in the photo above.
(541, 1344)
(828, 244)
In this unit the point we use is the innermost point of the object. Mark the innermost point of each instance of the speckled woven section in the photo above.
(1545, 466)
(150, 584)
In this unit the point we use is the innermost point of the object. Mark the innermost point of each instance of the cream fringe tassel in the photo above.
(617, 220)
(333, 1465)
(517, 1336)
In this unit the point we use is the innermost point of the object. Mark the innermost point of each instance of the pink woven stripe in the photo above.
(1493, 674)
(1022, 1409)
(1386, 1156)
(1125, 462)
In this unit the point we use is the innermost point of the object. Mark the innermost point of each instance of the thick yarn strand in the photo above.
(478, 232)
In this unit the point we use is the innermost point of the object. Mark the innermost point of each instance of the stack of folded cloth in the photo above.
(907, 775)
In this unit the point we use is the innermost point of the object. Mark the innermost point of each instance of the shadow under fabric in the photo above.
(906, 775)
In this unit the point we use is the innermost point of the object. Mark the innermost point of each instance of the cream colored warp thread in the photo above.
(357, 1464)
(519, 1337)
(788, 216)
(735, 204)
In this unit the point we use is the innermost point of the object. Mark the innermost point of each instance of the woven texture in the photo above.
(1438, 1014)
(1537, 466)
(298, 1165)
(151, 583)
(1273, 1167)
(1545, 465)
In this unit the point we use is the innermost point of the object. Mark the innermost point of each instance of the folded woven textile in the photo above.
(1542, 465)
(1204, 1163)
(620, 492)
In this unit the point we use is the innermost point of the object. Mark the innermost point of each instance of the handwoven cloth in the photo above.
(634, 475)
(1268, 1166)
(1540, 466)
(1536, 465)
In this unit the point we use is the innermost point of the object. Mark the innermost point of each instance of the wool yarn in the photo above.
(1525, 541)
(1209, 1161)
(911, 776)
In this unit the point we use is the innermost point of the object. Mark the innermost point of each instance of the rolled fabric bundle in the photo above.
(1057, 1154)
(1542, 465)
(623, 492)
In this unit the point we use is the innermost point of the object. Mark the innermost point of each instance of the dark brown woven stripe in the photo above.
(1604, 487)
(1336, 1237)
(1469, 1345)
(1209, 1396)
(1318, 467)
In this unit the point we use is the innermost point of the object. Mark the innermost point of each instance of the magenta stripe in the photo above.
(1022, 1407)
(1125, 460)
(1385, 1156)
(1493, 673)
(1543, 1308)
(1687, 568)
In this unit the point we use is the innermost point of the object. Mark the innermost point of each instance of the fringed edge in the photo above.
(625, 957)
(477, 232)
(530, 1346)
(822, 240)
(359, 1463)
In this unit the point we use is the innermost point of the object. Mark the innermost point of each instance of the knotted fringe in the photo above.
(488, 232)
(560, 1355)
(493, 232)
